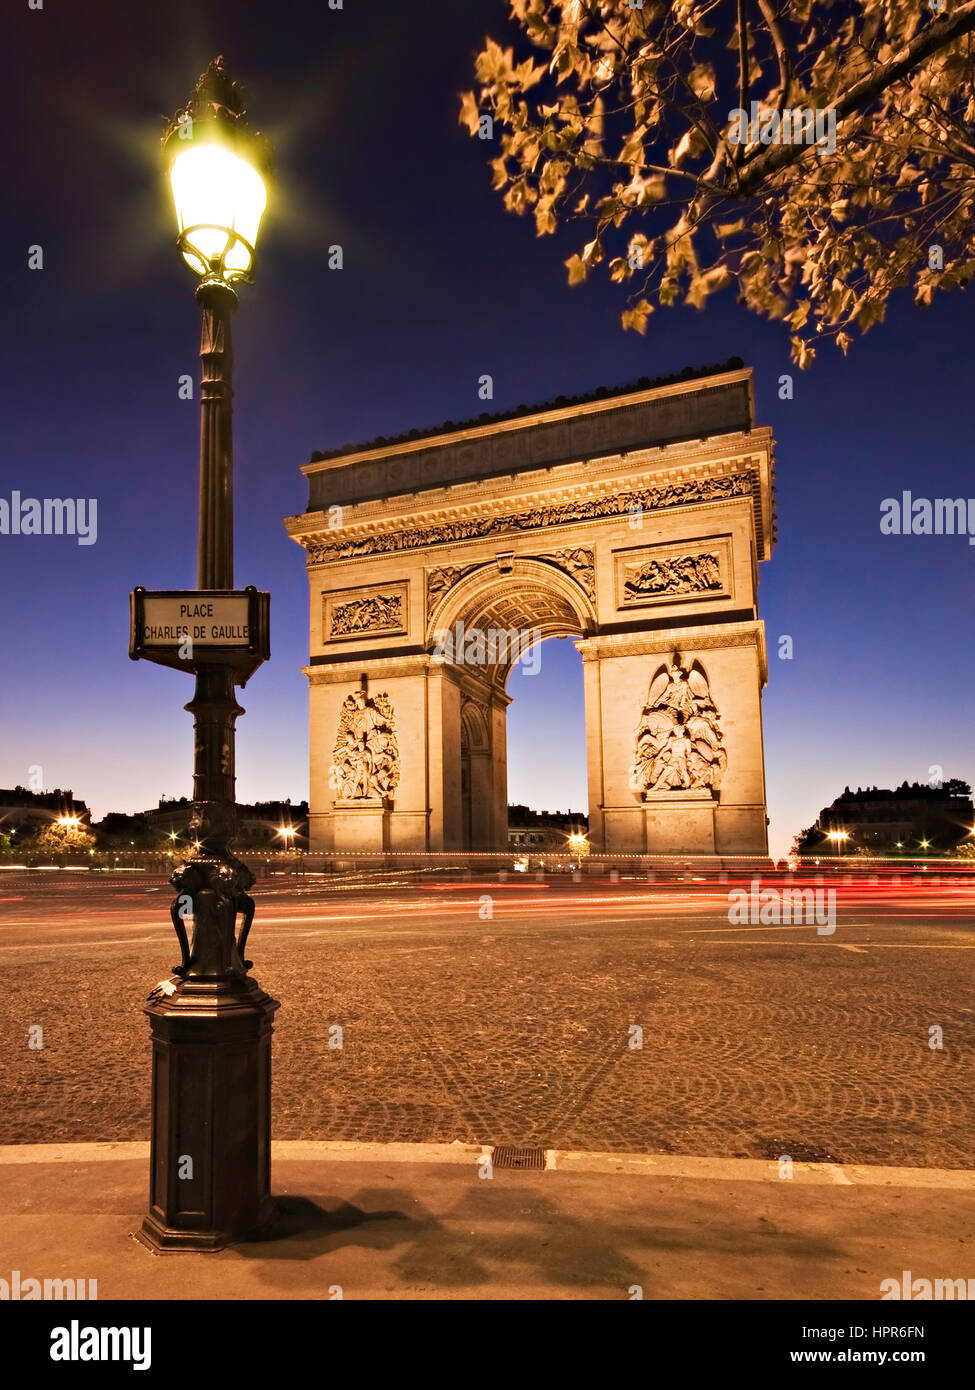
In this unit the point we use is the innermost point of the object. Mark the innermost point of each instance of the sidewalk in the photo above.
(415, 1221)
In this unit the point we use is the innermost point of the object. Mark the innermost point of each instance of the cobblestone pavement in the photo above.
(517, 1028)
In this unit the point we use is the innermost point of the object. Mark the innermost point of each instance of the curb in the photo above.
(679, 1166)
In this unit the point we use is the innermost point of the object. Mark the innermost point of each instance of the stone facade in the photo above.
(641, 541)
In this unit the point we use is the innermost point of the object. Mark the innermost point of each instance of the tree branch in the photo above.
(742, 72)
(936, 36)
(781, 52)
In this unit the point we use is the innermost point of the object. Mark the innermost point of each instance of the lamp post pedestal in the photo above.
(210, 1167)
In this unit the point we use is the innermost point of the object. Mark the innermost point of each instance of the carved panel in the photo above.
(679, 743)
(365, 759)
(674, 572)
(379, 611)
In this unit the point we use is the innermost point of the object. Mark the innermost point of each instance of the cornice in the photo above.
(659, 643)
(581, 478)
(743, 478)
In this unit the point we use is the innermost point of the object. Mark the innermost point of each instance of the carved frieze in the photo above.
(376, 612)
(679, 744)
(490, 523)
(365, 759)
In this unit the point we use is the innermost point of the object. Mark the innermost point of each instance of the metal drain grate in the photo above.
(508, 1156)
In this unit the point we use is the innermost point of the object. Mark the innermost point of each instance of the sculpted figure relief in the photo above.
(367, 614)
(365, 760)
(681, 574)
(578, 563)
(678, 738)
(441, 581)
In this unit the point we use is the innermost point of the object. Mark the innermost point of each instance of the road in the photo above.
(625, 1016)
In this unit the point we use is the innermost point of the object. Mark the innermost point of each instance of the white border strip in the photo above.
(681, 1166)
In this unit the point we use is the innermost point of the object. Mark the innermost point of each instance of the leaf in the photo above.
(632, 152)
(469, 114)
(636, 318)
(577, 269)
(702, 81)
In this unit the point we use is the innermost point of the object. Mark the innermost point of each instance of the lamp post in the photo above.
(211, 1022)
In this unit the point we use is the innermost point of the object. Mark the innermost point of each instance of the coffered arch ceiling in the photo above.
(509, 611)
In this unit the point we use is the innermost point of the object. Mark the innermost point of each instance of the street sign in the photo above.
(187, 628)
(218, 621)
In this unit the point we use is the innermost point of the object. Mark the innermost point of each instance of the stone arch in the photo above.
(528, 596)
(474, 727)
(631, 523)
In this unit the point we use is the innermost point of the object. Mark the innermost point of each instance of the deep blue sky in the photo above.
(439, 286)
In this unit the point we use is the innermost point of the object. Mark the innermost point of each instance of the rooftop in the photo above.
(559, 403)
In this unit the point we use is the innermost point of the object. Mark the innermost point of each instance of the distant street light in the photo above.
(211, 1024)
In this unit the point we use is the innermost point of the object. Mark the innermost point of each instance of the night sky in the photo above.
(439, 286)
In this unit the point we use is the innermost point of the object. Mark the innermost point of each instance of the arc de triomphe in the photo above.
(632, 522)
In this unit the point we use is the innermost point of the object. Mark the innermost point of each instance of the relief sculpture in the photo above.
(578, 563)
(644, 499)
(679, 739)
(374, 614)
(441, 581)
(679, 574)
(365, 760)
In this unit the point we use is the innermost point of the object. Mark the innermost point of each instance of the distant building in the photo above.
(259, 822)
(543, 831)
(25, 811)
(893, 821)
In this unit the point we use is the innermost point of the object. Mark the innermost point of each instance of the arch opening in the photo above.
(489, 639)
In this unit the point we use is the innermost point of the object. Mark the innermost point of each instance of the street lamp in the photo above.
(211, 1022)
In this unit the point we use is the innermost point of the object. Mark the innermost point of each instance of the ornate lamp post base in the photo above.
(210, 1166)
